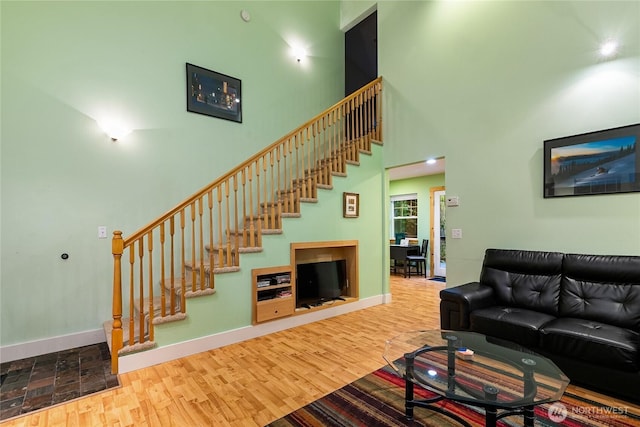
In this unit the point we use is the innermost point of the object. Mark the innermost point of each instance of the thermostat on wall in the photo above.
(453, 201)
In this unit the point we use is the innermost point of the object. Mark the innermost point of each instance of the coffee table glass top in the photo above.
(471, 367)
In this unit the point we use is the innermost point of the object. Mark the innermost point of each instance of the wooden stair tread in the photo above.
(127, 349)
(157, 309)
(241, 249)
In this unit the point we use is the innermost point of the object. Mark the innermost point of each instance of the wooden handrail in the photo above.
(142, 231)
(205, 233)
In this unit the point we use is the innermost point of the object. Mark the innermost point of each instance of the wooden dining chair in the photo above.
(417, 261)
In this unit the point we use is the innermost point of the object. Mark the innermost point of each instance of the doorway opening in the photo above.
(421, 180)
(438, 232)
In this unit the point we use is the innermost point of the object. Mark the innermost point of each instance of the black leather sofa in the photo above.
(581, 311)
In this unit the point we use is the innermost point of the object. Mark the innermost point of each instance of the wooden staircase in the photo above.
(177, 256)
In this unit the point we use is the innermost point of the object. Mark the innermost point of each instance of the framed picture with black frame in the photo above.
(600, 162)
(213, 94)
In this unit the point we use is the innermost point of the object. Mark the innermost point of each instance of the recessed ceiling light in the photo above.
(431, 161)
(609, 48)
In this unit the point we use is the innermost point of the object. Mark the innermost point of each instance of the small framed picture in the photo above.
(350, 205)
(213, 94)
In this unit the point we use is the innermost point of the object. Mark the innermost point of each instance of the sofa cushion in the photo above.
(594, 342)
(526, 279)
(515, 324)
(602, 288)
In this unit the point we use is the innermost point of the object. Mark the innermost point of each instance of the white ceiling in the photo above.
(416, 169)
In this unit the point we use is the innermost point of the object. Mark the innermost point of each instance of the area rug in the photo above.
(438, 279)
(377, 399)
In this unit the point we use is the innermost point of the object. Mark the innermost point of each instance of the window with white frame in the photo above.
(404, 215)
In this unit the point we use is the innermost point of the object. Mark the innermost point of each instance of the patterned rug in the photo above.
(377, 399)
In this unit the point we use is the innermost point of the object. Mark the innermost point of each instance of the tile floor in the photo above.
(37, 382)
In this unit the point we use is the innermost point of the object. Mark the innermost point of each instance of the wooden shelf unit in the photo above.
(277, 299)
(307, 252)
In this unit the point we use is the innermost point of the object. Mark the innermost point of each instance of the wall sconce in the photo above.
(299, 53)
(114, 130)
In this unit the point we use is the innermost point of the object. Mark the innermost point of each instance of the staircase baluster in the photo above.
(163, 298)
(279, 187)
(376, 114)
(229, 259)
(360, 126)
(151, 311)
(132, 318)
(289, 181)
(141, 288)
(117, 249)
(273, 192)
(354, 134)
(297, 167)
(315, 160)
(236, 225)
(252, 208)
(307, 162)
(325, 150)
(211, 261)
(261, 212)
(194, 259)
(201, 270)
(265, 196)
(183, 260)
(342, 139)
(245, 237)
(332, 142)
(220, 231)
(172, 289)
(367, 130)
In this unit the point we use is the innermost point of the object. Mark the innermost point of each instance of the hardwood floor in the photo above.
(257, 381)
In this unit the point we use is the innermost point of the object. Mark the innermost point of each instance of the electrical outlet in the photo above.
(102, 232)
(456, 233)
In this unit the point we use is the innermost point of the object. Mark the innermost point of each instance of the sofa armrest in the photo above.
(457, 303)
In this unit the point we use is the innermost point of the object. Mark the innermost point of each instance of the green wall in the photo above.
(421, 186)
(483, 84)
(66, 65)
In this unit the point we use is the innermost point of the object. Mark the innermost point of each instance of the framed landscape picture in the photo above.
(601, 162)
(213, 94)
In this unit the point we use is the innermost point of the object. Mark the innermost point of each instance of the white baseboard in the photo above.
(144, 359)
(51, 345)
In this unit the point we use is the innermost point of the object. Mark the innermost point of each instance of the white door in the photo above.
(439, 235)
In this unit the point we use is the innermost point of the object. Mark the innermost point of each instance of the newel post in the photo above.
(117, 247)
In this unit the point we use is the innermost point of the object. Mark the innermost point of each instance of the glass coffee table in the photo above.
(502, 377)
